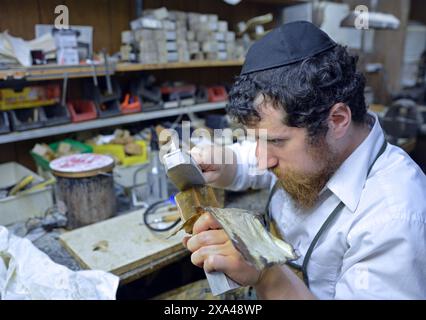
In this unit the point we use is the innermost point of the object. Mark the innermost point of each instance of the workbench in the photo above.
(49, 243)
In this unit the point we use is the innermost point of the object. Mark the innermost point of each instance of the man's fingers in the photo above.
(206, 238)
(210, 176)
(197, 154)
(202, 156)
(185, 241)
(205, 222)
(199, 256)
(234, 267)
(219, 263)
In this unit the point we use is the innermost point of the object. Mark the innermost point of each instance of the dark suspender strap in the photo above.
(328, 222)
(382, 149)
(316, 238)
(324, 227)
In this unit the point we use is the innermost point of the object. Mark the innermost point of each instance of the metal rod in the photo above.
(64, 89)
(107, 75)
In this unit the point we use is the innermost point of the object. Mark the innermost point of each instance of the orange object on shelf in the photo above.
(130, 104)
(217, 94)
(82, 110)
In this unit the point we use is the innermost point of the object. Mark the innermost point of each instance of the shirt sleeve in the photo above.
(386, 260)
(248, 176)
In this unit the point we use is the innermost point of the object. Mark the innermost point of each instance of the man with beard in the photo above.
(352, 206)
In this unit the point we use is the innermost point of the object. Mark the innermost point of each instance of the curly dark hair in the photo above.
(306, 91)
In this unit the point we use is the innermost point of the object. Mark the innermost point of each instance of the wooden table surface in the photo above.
(124, 246)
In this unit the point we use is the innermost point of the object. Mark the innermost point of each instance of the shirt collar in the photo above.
(348, 181)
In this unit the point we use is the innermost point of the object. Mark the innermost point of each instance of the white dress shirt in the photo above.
(376, 247)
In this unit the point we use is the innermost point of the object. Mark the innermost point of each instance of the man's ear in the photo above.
(339, 120)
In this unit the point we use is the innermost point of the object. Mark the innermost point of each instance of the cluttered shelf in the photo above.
(124, 67)
(54, 72)
(100, 123)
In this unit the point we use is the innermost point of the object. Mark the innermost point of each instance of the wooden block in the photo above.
(194, 197)
(120, 244)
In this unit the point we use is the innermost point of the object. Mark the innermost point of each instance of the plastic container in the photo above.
(4, 123)
(150, 98)
(131, 104)
(117, 152)
(148, 92)
(108, 108)
(27, 119)
(178, 95)
(22, 206)
(107, 104)
(29, 97)
(217, 94)
(56, 115)
(80, 147)
(82, 110)
(201, 95)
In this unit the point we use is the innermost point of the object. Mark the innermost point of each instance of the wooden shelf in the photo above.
(107, 122)
(53, 72)
(126, 67)
(56, 72)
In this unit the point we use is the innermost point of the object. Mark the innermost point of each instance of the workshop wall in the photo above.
(110, 17)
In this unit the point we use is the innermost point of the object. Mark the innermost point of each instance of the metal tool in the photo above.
(64, 90)
(107, 75)
(17, 187)
(182, 169)
(94, 75)
(184, 172)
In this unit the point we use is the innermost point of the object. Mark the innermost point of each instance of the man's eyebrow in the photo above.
(271, 137)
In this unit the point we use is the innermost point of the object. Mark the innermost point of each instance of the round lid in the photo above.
(81, 165)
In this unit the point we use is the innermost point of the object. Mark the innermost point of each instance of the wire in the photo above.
(142, 167)
(150, 210)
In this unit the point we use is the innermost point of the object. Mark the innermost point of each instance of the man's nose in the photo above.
(265, 158)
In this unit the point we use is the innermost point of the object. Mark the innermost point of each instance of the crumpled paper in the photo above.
(27, 273)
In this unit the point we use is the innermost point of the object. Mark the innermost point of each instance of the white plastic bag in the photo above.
(28, 273)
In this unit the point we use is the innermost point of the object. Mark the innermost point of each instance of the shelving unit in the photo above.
(56, 72)
(126, 67)
(52, 72)
(101, 123)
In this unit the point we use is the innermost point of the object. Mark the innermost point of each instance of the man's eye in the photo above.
(276, 142)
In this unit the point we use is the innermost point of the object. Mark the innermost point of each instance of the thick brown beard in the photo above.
(304, 188)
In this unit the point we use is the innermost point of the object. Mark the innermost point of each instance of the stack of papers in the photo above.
(17, 52)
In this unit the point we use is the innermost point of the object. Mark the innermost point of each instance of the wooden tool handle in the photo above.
(204, 196)
(171, 218)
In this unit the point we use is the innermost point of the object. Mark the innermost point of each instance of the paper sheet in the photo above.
(28, 273)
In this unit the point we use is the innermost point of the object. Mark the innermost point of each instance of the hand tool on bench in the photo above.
(17, 187)
(188, 178)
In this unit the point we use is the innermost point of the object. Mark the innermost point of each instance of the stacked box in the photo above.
(181, 35)
(163, 36)
(216, 42)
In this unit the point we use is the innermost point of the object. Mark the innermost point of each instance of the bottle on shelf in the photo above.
(157, 178)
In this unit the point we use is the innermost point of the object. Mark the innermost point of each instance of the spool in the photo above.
(85, 185)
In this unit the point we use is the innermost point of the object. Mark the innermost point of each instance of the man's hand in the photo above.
(213, 250)
(218, 164)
